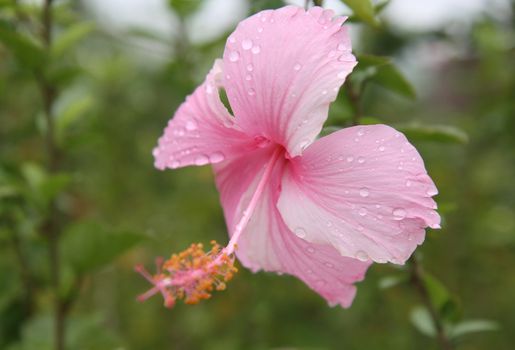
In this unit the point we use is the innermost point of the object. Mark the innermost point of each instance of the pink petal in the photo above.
(268, 244)
(283, 69)
(364, 190)
(202, 130)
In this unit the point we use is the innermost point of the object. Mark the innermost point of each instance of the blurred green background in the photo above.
(109, 80)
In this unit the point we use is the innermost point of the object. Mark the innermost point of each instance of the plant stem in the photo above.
(51, 227)
(354, 98)
(318, 3)
(417, 281)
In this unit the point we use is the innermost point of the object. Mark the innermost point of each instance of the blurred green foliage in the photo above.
(110, 102)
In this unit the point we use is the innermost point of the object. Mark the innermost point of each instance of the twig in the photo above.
(51, 227)
(417, 281)
(355, 100)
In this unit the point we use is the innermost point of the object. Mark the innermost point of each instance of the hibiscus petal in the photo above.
(202, 130)
(268, 244)
(364, 190)
(283, 69)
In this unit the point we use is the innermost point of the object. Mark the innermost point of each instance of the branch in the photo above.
(417, 281)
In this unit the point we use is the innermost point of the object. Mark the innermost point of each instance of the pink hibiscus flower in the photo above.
(321, 210)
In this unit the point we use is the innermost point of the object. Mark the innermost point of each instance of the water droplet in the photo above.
(250, 67)
(361, 160)
(248, 77)
(399, 213)
(328, 264)
(304, 144)
(246, 44)
(297, 67)
(341, 47)
(260, 29)
(324, 92)
(381, 148)
(216, 157)
(234, 56)
(201, 159)
(364, 192)
(310, 250)
(408, 183)
(309, 271)
(263, 19)
(343, 58)
(361, 255)
(175, 164)
(361, 132)
(432, 191)
(350, 159)
(251, 92)
(300, 232)
(362, 211)
(155, 152)
(342, 75)
(272, 20)
(232, 40)
(191, 125)
(329, 224)
(256, 49)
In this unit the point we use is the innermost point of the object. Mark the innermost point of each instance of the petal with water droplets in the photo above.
(299, 60)
(202, 131)
(361, 188)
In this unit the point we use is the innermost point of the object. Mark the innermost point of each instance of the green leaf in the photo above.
(370, 121)
(473, 326)
(437, 292)
(363, 9)
(391, 281)
(26, 51)
(389, 77)
(378, 8)
(88, 246)
(435, 133)
(366, 61)
(421, 319)
(70, 37)
(72, 113)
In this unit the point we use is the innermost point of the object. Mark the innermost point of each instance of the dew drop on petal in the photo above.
(310, 250)
(361, 132)
(201, 159)
(304, 144)
(248, 77)
(361, 160)
(364, 192)
(399, 213)
(175, 164)
(251, 92)
(246, 44)
(381, 148)
(408, 183)
(232, 40)
(260, 29)
(234, 56)
(256, 49)
(341, 47)
(361, 255)
(297, 67)
(342, 75)
(362, 212)
(350, 159)
(328, 264)
(216, 157)
(191, 125)
(300, 232)
(432, 191)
